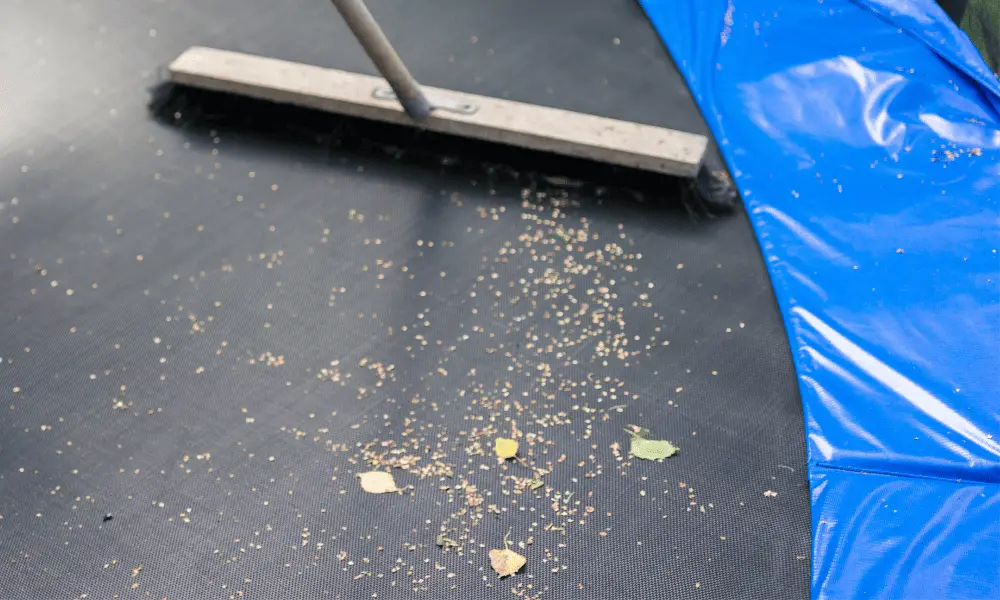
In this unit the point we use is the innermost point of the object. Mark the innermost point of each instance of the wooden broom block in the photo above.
(513, 123)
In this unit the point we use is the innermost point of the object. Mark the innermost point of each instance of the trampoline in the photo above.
(216, 313)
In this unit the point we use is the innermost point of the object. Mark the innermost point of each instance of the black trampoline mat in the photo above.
(209, 325)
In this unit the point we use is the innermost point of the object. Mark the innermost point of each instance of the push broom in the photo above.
(398, 98)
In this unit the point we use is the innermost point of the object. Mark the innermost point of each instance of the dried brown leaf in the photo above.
(506, 562)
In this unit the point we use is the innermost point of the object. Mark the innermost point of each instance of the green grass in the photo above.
(982, 24)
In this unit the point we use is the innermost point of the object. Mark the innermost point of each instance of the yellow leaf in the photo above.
(506, 562)
(377, 482)
(506, 448)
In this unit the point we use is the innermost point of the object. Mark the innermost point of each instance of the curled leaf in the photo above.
(506, 448)
(647, 449)
(506, 562)
(377, 482)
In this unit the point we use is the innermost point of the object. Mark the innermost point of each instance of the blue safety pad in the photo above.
(881, 536)
(865, 139)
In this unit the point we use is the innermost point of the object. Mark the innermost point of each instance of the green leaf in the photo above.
(651, 449)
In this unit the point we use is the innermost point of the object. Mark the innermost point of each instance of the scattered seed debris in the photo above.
(444, 541)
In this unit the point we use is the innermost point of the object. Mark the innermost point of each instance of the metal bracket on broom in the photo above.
(404, 87)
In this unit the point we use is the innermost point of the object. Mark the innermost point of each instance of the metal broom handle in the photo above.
(388, 63)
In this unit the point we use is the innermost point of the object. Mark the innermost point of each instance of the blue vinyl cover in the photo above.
(865, 139)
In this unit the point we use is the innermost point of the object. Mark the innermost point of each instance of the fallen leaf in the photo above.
(444, 541)
(647, 449)
(377, 482)
(506, 562)
(506, 448)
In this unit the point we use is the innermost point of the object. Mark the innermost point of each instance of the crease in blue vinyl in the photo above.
(864, 136)
(901, 537)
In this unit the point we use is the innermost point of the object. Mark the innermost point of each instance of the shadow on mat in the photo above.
(267, 124)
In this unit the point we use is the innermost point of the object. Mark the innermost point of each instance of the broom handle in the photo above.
(388, 63)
